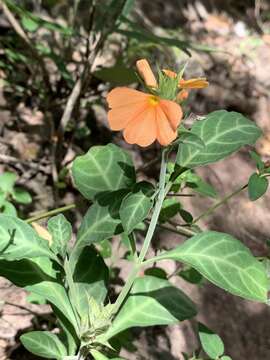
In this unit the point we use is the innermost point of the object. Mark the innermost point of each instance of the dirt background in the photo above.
(240, 80)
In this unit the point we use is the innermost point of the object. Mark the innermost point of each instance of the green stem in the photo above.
(219, 203)
(153, 223)
(73, 293)
(49, 213)
(180, 230)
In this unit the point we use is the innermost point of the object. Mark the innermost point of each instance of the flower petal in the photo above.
(142, 130)
(169, 73)
(146, 73)
(123, 96)
(198, 83)
(172, 111)
(165, 132)
(119, 117)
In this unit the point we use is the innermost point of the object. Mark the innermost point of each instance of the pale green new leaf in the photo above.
(224, 261)
(101, 169)
(44, 344)
(152, 301)
(61, 231)
(18, 240)
(223, 133)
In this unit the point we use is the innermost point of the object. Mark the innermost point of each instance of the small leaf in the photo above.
(157, 272)
(170, 208)
(101, 169)
(196, 183)
(44, 344)
(101, 222)
(224, 261)
(191, 275)
(7, 181)
(257, 186)
(223, 133)
(211, 342)
(136, 206)
(61, 232)
(258, 160)
(29, 24)
(225, 357)
(152, 301)
(21, 196)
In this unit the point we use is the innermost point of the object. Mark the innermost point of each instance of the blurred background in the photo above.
(45, 46)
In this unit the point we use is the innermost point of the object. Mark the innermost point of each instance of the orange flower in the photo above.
(143, 117)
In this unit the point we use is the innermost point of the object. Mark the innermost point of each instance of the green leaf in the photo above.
(223, 133)
(196, 183)
(257, 186)
(44, 344)
(56, 294)
(191, 275)
(136, 206)
(7, 181)
(152, 301)
(100, 222)
(31, 276)
(21, 196)
(211, 342)
(29, 24)
(18, 240)
(8, 208)
(225, 357)
(101, 169)
(90, 279)
(118, 74)
(157, 272)
(61, 232)
(258, 160)
(170, 208)
(187, 137)
(224, 261)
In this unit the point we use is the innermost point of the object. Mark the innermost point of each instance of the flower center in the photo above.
(153, 100)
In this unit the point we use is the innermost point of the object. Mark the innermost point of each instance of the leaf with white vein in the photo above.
(223, 133)
(152, 301)
(224, 261)
(101, 169)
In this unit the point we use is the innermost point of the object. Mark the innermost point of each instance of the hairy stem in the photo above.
(49, 213)
(219, 203)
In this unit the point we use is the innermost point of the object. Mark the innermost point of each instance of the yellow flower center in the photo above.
(153, 100)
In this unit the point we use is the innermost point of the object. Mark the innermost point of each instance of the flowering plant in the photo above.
(75, 278)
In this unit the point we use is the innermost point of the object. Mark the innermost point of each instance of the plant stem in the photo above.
(181, 230)
(50, 213)
(153, 223)
(219, 203)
